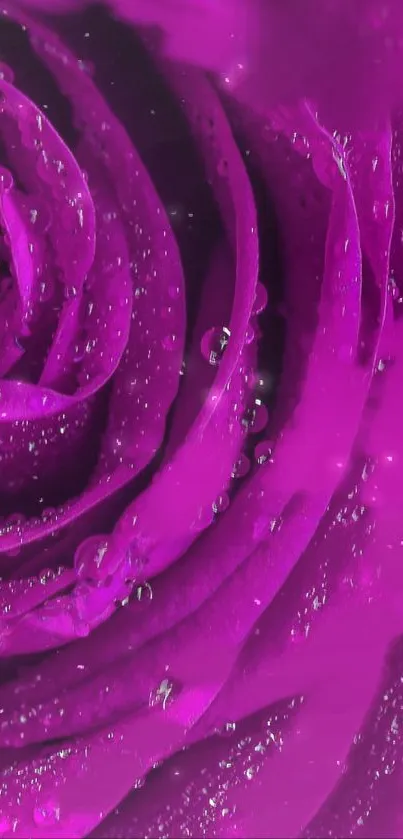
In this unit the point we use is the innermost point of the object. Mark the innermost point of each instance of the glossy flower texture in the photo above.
(201, 365)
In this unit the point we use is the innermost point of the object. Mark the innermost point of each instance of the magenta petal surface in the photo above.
(201, 359)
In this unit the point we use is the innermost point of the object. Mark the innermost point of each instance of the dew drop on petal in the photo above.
(46, 290)
(255, 417)
(214, 344)
(263, 452)
(79, 351)
(138, 783)
(221, 503)
(90, 557)
(241, 467)
(144, 591)
(70, 292)
(228, 729)
(165, 693)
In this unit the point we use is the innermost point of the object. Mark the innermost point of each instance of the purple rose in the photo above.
(200, 419)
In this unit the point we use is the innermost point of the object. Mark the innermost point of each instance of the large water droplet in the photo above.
(91, 558)
(255, 417)
(144, 591)
(221, 503)
(241, 467)
(214, 344)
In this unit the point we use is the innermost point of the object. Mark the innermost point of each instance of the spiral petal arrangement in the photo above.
(200, 445)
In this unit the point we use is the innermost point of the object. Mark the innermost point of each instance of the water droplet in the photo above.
(358, 512)
(47, 814)
(221, 503)
(229, 728)
(139, 783)
(40, 217)
(255, 418)
(91, 557)
(165, 693)
(144, 591)
(48, 513)
(46, 290)
(214, 343)
(263, 452)
(170, 342)
(70, 292)
(367, 470)
(241, 467)
(79, 351)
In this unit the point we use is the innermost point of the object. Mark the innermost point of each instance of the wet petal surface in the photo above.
(200, 427)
